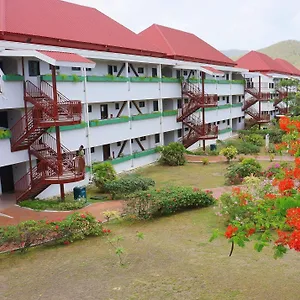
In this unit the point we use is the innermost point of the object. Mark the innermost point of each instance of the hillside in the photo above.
(234, 52)
(288, 50)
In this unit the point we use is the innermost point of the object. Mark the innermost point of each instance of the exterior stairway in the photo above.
(248, 108)
(30, 132)
(197, 130)
(282, 94)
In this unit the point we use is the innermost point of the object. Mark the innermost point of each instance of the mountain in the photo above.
(288, 50)
(234, 52)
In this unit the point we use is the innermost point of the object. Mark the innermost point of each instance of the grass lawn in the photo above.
(174, 261)
(192, 174)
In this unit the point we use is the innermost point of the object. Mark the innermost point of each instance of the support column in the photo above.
(57, 131)
(160, 105)
(203, 109)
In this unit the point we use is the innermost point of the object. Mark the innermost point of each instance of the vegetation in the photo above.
(30, 233)
(103, 173)
(38, 204)
(229, 152)
(158, 202)
(172, 154)
(128, 184)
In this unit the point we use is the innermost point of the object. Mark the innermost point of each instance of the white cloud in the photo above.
(227, 24)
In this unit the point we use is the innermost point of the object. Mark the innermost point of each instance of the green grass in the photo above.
(37, 204)
(191, 174)
(174, 261)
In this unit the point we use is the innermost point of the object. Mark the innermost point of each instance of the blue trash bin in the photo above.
(213, 147)
(79, 192)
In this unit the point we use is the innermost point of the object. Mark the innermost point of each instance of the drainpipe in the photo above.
(160, 101)
(130, 127)
(87, 120)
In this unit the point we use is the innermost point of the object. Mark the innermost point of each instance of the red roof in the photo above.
(258, 62)
(215, 71)
(183, 45)
(56, 22)
(67, 57)
(291, 68)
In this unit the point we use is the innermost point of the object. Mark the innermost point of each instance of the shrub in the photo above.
(53, 204)
(128, 184)
(247, 148)
(157, 202)
(254, 139)
(229, 152)
(237, 172)
(103, 173)
(26, 234)
(205, 161)
(173, 154)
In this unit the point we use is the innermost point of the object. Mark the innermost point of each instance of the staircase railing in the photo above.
(249, 102)
(72, 108)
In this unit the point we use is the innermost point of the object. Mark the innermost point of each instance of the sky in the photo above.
(229, 24)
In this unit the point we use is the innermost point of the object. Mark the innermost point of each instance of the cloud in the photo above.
(231, 24)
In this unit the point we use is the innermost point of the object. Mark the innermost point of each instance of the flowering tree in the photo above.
(267, 211)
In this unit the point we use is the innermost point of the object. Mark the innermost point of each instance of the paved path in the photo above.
(15, 214)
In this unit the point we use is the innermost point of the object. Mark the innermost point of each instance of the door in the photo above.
(155, 105)
(7, 179)
(106, 152)
(104, 111)
(3, 119)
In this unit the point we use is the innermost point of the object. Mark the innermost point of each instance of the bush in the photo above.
(237, 172)
(254, 139)
(53, 204)
(243, 147)
(103, 173)
(26, 234)
(158, 202)
(173, 154)
(205, 161)
(229, 152)
(128, 184)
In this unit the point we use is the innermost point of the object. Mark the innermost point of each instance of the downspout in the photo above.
(161, 106)
(87, 120)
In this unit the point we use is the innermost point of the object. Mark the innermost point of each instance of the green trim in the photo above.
(225, 106)
(171, 80)
(144, 79)
(87, 169)
(144, 153)
(121, 159)
(226, 130)
(69, 127)
(194, 80)
(240, 104)
(240, 81)
(63, 78)
(95, 78)
(12, 77)
(146, 116)
(5, 134)
(168, 113)
(94, 123)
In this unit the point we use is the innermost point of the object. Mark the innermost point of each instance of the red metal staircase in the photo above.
(196, 100)
(256, 96)
(282, 94)
(57, 165)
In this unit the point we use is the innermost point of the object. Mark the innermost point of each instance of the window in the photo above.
(155, 105)
(186, 100)
(240, 98)
(178, 75)
(227, 99)
(90, 108)
(240, 119)
(143, 138)
(271, 85)
(119, 144)
(154, 72)
(128, 69)
(228, 122)
(218, 122)
(131, 141)
(110, 70)
(56, 67)
(224, 98)
(140, 70)
(142, 104)
(179, 133)
(186, 129)
(223, 121)
(130, 104)
(92, 149)
(243, 117)
(117, 105)
(157, 139)
(88, 69)
(34, 68)
(179, 103)
(76, 68)
(115, 69)
(227, 76)
(185, 73)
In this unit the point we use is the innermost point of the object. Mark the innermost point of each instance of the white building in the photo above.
(119, 94)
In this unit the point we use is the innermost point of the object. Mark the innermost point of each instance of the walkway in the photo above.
(16, 214)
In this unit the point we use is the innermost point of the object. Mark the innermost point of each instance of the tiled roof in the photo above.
(62, 21)
(66, 57)
(291, 68)
(258, 62)
(183, 45)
